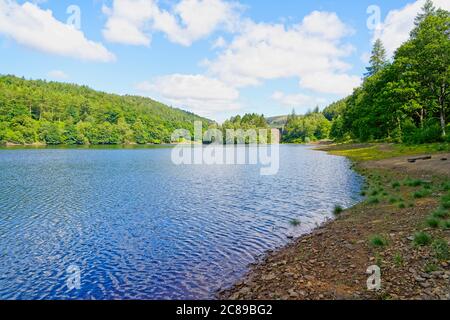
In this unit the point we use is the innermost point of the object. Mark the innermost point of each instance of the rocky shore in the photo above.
(385, 230)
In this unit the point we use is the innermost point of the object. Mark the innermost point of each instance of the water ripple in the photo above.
(140, 227)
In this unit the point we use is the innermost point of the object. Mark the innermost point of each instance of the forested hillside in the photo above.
(34, 111)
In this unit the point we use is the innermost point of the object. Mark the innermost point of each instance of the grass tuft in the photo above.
(441, 249)
(338, 210)
(378, 241)
(393, 200)
(445, 186)
(445, 225)
(422, 239)
(432, 222)
(421, 194)
(373, 200)
(440, 214)
(396, 185)
(295, 222)
(430, 267)
(398, 260)
(413, 182)
(445, 201)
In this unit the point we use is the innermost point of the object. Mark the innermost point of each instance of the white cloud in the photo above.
(203, 95)
(398, 24)
(298, 101)
(133, 21)
(305, 51)
(58, 74)
(365, 57)
(333, 83)
(33, 27)
(128, 20)
(219, 43)
(326, 25)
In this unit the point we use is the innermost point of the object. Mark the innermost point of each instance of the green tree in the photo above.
(140, 132)
(378, 59)
(408, 99)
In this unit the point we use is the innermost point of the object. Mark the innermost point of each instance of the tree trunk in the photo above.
(442, 115)
(442, 111)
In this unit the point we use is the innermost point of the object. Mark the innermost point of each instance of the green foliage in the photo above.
(245, 124)
(422, 239)
(373, 200)
(393, 200)
(430, 132)
(310, 127)
(54, 113)
(423, 193)
(440, 213)
(413, 182)
(378, 241)
(334, 110)
(398, 259)
(445, 224)
(378, 59)
(338, 210)
(295, 222)
(445, 201)
(431, 267)
(445, 186)
(432, 222)
(396, 185)
(408, 99)
(441, 249)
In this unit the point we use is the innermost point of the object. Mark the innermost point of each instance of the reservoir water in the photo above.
(137, 226)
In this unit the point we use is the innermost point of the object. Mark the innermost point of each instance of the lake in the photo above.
(139, 227)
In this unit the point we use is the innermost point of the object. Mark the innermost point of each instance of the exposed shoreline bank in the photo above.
(331, 262)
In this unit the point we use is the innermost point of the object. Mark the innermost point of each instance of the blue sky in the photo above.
(213, 57)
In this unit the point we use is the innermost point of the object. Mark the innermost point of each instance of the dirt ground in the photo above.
(435, 166)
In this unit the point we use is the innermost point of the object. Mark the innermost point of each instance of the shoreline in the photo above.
(331, 262)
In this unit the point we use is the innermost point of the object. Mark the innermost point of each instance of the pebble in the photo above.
(293, 294)
(424, 284)
(269, 277)
(437, 274)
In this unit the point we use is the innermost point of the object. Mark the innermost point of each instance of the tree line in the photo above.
(36, 111)
(405, 99)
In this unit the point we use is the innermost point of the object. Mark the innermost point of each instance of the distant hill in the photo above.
(277, 122)
(37, 111)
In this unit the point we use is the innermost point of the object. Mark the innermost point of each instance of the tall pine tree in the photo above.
(378, 59)
(428, 9)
